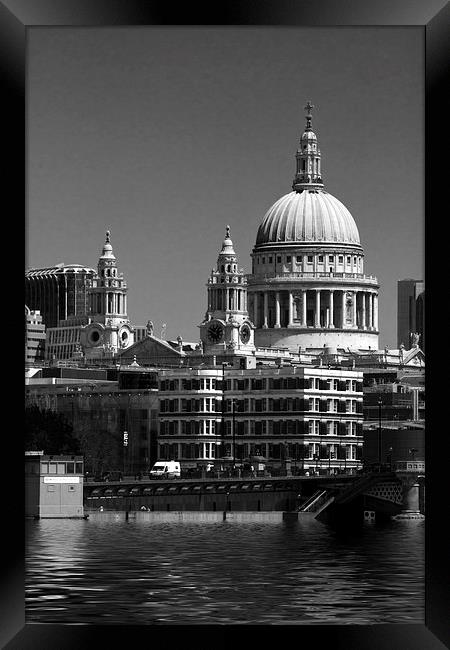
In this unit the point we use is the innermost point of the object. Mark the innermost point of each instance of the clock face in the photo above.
(245, 333)
(95, 337)
(215, 332)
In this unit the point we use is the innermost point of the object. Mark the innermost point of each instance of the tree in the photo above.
(49, 432)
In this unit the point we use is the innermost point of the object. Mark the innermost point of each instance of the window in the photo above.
(314, 404)
(330, 259)
(288, 259)
(299, 259)
(348, 259)
(263, 260)
(310, 259)
(70, 468)
(279, 259)
(270, 259)
(341, 259)
(320, 259)
(52, 468)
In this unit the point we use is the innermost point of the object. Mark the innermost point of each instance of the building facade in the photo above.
(58, 292)
(115, 420)
(308, 287)
(34, 337)
(411, 312)
(312, 415)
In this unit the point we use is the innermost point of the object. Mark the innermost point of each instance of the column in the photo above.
(343, 309)
(317, 314)
(304, 307)
(255, 309)
(331, 324)
(363, 324)
(266, 310)
(277, 309)
(370, 312)
(355, 295)
(375, 311)
(291, 309)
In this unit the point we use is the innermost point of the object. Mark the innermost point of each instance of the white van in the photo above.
(165, 469)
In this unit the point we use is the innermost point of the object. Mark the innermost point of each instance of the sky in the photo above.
(164, 135)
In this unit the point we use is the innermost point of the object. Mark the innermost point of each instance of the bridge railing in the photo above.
(366, 481)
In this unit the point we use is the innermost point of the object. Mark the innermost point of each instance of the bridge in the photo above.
(309, 495)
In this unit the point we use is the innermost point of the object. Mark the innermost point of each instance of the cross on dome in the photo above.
(108, 237)
(308, 108)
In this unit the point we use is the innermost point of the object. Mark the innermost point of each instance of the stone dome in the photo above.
(308, 216)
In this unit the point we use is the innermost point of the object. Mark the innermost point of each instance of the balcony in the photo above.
(306, 276)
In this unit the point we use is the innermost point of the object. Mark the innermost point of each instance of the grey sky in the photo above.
(165, 135)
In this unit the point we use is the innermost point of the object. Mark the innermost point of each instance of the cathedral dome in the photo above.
(308, 216)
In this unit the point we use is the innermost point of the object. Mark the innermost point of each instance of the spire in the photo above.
(308, 174)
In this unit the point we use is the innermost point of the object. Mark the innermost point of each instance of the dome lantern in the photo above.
(308, 175)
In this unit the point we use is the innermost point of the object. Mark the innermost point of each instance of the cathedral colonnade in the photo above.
(315, 308)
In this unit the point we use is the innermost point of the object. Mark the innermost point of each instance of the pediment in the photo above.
(149, 348)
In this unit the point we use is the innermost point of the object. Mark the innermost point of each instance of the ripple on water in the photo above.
(241, 573)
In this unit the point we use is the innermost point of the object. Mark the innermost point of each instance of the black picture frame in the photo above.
(16, 17)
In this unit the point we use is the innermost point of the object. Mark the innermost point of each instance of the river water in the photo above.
(86, 571)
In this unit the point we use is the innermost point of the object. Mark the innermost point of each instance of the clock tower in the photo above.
(226, 327)
(110, 329)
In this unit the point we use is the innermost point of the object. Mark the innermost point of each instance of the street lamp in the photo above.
(380, 404)
(316, 458)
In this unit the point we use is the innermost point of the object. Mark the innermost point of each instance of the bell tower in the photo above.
(226, 326)
(110, 329)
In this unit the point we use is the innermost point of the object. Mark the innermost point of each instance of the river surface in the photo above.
(86, 571)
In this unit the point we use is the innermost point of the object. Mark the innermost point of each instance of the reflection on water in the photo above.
(136, 573)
